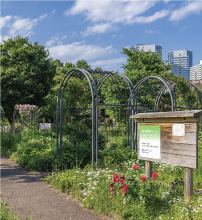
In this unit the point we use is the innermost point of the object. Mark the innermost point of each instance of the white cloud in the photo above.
(99, 28)
(183, 28)
(148, 31)
(115, 35)
(64, 37)
(105, 14)
(166, 1)
(77, 51)
(4, 20)
(3, 38)
(108, 63)
(149, 19)
(53, 11)
(185, 10)
(23, 26)
(50, 43)
(43, 16)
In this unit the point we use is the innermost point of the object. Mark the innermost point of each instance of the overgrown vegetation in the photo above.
(161, 197)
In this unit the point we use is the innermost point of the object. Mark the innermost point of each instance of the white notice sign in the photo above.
(178, 129)
(150, 141)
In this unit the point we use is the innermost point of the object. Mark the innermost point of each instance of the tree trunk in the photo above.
(12, 124)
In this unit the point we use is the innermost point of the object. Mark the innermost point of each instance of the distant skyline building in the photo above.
(153, 47)
(196, 72)
(182, 60)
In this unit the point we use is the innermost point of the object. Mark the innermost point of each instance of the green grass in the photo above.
(160, 198)
(92, 187)
(7, 214)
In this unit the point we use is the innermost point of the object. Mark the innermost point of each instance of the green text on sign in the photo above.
(150, 141)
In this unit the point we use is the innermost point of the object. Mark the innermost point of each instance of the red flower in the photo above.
(121, 181)
(136, 167)
(124, 191)
(114, 176)
(154, 175)
(125, 186)
(117, 180)
(122, 177)
(143, 178)
(157, 171)
(112, 188)
(111, 184)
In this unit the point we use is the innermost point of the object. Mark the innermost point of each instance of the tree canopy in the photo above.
(141, 64)
(26, 73)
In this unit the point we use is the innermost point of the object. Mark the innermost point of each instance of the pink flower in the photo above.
(121, 181)
(122, 177)
(136, 167)
(111, 184)
(112, 188)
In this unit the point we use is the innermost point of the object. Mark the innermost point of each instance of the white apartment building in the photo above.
(153, 47)
(196, 72)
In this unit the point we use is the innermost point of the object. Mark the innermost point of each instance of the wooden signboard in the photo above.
(171, 138)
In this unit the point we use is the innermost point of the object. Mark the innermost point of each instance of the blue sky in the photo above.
(96, 31)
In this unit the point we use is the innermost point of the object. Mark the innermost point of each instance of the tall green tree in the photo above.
(26, 74)
(141, 64)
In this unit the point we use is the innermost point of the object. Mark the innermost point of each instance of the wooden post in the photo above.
(188, 185)
(148, 165)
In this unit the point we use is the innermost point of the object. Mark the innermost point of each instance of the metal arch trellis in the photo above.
(156, 88)
(101, 83)
(2, 118)
(162, 96)
(186, 105)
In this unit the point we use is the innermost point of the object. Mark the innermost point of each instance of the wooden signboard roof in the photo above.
(174, 116)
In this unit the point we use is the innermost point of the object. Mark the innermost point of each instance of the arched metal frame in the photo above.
(2, 117)
(161, 91)
(167, 86)
(94, 88)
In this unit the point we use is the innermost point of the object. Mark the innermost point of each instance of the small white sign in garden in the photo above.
(150, 141)
(45, 126)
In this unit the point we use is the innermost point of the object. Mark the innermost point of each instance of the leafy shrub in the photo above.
(116, 154)
(9, 143)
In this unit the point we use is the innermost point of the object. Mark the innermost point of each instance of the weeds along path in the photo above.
(24, 192)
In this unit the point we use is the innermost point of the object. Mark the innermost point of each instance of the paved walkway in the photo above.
(24, 192)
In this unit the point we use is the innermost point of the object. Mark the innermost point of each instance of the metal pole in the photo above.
(60, 125)
(57, 126)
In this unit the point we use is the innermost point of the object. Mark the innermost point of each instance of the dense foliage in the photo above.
(26, 74)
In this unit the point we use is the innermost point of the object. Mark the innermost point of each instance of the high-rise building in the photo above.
(196, 72)
(154, 48)
(182, 60)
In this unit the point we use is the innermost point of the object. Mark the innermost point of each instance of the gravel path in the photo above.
(24, 192)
